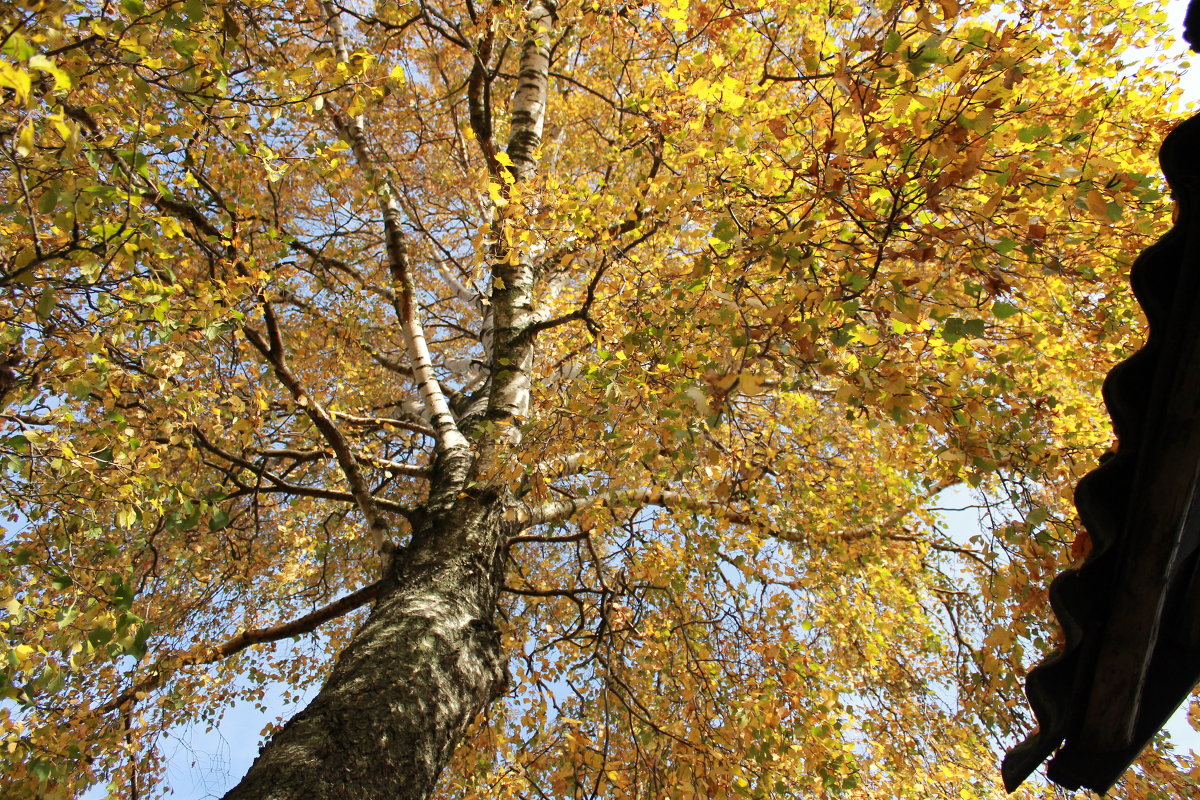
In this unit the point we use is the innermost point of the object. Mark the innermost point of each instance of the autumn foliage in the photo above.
(716, 319)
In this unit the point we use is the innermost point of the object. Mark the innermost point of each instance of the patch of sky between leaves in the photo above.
(203, 763)
(1188, 76)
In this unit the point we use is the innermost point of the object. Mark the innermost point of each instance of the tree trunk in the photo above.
(401, 695)
(428, 658)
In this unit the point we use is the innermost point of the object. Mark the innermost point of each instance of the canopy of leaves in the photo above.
(801, 266)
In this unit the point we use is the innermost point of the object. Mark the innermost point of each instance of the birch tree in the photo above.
(566, 390)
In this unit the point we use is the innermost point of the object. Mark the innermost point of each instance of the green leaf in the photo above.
(1006, 246)
(1033, 133)
(41, 769)
(54, 681)
(185, 46)
(123, 596)
(17, 48)
(955, 328)
(48, 201)
(952, 330)
(978, 37)
(137, 648)
(219, 520)
(1002, 310)
(98, 637)
(45, 304)
(725, 230)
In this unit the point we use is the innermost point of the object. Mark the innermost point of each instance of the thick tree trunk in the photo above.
(426, 661)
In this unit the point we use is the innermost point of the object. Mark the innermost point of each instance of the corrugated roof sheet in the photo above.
(1131, 612)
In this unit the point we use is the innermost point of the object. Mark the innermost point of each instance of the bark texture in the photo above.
(529, 100)
(425, 662)
(513, 291)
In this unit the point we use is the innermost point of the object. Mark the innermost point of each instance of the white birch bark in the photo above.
(412, 332)
(514, 278)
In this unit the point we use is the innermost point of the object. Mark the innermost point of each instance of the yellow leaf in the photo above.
(505, 159)
(949, 8)
(866, 336)
(1097, 205)
(25, 143)
(752, 384)
(61, 79)
(497, 198)
(16, 79)
(698, 398)
(170, 227)
(677, 13)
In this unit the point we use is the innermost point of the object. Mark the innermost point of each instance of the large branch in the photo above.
(479, 98)
(272, 350)
(514, 275)
(404, 297)
(208, 654)
(562, 466)
(528, 516)
(533, 82)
